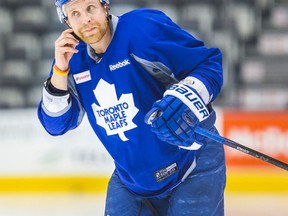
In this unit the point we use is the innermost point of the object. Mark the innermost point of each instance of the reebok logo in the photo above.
(119, 65)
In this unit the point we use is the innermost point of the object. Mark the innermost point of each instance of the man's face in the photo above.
(88, 19)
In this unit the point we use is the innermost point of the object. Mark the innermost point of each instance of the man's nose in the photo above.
(86, 18)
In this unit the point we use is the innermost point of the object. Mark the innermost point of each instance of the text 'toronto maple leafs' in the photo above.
(114, 115)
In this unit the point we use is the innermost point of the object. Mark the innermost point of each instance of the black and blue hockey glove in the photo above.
(174, 117)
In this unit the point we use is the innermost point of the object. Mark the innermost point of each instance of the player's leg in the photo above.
(202, 193)
(120, 201)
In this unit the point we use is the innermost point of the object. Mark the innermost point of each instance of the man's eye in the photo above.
(75, 13)
(90, 8)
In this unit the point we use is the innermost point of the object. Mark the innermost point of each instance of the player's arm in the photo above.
(198, 70)
(193, 64)
(59, 110)
(182, 54)
(65, 47)
(207, 77)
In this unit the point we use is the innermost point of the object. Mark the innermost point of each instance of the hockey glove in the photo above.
(174, 117)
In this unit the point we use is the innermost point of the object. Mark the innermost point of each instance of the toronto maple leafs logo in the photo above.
(114, 115)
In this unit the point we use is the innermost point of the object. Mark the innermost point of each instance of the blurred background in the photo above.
(68, 175)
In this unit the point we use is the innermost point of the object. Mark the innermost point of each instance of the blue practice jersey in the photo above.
(148, 52)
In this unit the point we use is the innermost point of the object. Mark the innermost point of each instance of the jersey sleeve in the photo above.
(59, 113)
(159, 39)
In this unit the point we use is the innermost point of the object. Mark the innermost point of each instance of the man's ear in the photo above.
(106, 7)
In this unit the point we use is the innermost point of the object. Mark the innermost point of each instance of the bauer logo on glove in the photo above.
(174, 118)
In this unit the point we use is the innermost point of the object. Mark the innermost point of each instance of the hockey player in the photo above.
(144, 84)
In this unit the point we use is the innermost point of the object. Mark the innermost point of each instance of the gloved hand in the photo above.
(174, 117)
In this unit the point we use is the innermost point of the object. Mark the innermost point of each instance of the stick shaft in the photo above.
(240, 147)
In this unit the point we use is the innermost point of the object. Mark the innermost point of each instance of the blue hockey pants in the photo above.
(201, 194)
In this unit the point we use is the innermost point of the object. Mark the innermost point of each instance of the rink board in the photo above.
(31, 160)
(237, 181)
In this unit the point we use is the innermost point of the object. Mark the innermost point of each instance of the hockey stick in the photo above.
(240, 147)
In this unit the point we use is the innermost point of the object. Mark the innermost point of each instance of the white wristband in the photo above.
(54, 104)
(199, 87)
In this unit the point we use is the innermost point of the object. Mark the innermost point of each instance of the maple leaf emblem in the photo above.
(114, 115)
